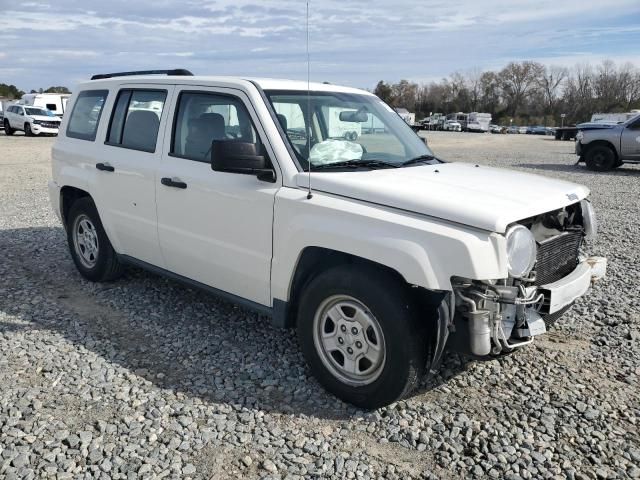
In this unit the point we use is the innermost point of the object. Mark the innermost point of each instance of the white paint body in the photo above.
(245, 236)
(18, 117)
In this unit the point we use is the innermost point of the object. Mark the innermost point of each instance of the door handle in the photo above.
(105, 167)
(169, 182)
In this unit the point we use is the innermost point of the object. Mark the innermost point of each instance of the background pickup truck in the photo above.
(604, 147)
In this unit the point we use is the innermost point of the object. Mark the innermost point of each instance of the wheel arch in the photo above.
(68, 195)
(314, 260)
(600, 143)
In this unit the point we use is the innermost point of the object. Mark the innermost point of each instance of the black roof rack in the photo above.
(176, 71)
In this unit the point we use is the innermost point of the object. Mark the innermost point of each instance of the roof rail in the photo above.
(175, 71)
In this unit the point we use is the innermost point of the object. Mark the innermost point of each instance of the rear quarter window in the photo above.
(86, 113)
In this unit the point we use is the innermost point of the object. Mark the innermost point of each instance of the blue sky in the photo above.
(353, 42)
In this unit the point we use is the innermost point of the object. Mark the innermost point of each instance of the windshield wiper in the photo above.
(420, 159)
(355, 163)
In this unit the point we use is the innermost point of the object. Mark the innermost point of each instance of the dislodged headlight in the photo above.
(589, 221)
(521, 251)
(579, 135)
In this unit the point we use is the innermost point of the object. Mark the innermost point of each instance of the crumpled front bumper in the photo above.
(568, 289)
(501, 316)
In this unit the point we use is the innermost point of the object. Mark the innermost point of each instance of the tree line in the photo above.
(526, 92)
(13, 93)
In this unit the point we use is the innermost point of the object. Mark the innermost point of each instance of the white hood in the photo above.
(44, 118)
(482, 197)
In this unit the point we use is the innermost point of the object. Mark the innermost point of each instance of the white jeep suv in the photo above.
(380, 257)
(31, 120)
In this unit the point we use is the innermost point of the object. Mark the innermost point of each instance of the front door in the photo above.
(214, 227)
(630, 141)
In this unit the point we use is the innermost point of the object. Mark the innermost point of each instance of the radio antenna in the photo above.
(309, 194)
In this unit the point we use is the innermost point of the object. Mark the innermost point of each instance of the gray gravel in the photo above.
(145, 378)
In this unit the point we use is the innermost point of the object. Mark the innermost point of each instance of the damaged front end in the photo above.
(547, 273)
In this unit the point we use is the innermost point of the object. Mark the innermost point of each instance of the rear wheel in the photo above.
(358, 332)
(600, 158)
(7, 128)
(27, 130)
(89, 245)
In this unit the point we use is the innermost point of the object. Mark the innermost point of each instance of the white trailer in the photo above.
(478, 122)
(55, 102)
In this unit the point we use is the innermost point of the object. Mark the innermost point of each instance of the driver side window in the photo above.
(202, 118)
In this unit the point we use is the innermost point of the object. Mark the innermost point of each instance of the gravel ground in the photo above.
(146, 378)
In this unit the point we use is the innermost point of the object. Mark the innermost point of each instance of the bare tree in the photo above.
(518, 79)
(526, 92)
(551, 82)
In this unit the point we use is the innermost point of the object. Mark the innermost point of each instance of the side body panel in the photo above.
(630, 141)
(425, 252)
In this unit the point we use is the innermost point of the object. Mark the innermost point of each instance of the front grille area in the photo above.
(50, 124)
(557, 257)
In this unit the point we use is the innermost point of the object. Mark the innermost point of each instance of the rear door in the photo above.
(125, 169)
(215, 227)
(630, 141)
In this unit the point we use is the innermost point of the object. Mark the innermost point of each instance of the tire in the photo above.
(7, 128)
(393, 346)
(600, 158)
(27, 130)
(89, 245)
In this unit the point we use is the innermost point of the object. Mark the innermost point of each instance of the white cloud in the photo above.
(354, 42)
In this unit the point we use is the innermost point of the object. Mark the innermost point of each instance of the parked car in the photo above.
(522, 129)
(603, 147)
(31, 120)
(537, 130)
(452, 126)
(497, 129)
(513, 129)
(377, 256)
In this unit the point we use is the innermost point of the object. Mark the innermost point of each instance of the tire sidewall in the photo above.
(395, 314)
(87, 207)
(609, 161)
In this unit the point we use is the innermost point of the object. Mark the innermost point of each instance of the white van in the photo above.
(376, 256)
(55, 102)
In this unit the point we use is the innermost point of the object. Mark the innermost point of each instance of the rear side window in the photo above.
(86, 113)
(136, 119)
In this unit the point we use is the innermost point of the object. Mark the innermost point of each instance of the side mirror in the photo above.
(240, 157)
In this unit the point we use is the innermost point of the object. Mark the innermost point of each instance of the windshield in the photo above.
(344, 127)
(39, 111)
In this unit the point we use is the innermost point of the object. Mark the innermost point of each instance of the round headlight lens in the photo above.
(589, 221)
(521, 251)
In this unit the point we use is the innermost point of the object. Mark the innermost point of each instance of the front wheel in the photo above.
(600, 158)
(27, 130)
(89, 245)
(358, 331)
